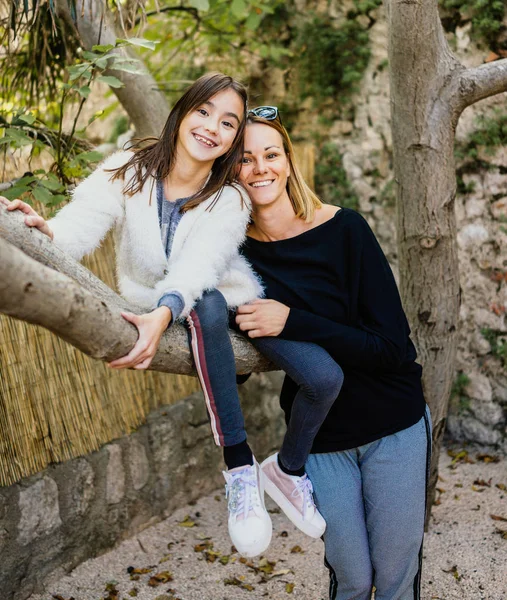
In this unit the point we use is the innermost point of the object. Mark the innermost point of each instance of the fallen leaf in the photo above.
(488, 458)
(478, 507)
(502, 532)
(159, 578)
(133, 592)
(454, 571)
(224, 559)
(282, 572)
(476, 489)
(187, 522)
(283, 534)
(274, 511)
(289, 588)
(296, 550)
(498, 518)
(136, 571)
(204, 546)
(501, 486)
(482, 482)
(237, 581)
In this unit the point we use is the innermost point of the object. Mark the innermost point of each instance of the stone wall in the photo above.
(52, 521)
(478, 410)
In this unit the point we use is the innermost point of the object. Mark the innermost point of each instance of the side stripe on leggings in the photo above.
(202, 372)
(333, 581)
(417, 579)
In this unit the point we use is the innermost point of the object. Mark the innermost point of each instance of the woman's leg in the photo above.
(394, 472)
(208, 331)
(338, 492)
(319, 379)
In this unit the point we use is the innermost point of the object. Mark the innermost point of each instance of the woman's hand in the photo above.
(32, 219)
(262, 318)
(151, 326)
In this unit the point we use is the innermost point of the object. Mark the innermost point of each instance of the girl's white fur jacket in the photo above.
(204, 254)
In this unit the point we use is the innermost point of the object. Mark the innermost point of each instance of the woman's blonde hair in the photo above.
(304, 201)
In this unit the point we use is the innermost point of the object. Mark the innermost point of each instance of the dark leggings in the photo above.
(318, 376)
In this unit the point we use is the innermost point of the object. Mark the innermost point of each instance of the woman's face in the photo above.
(265, 166)
(208, 132)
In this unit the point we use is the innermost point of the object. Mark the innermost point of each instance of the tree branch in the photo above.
(188, 9)
(481, 82)
(81, 309)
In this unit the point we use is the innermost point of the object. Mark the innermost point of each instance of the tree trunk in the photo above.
(429, 90)
(144, 103)
(58, 293)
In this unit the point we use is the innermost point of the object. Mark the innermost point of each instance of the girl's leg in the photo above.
(394, 472)
(208, 326)
(208, 331)
(319, 379)
(338, 492)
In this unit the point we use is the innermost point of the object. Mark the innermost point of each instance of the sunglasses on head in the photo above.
(270, 113)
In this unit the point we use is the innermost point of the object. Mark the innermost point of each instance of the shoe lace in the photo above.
(240, 491)
(304, 488)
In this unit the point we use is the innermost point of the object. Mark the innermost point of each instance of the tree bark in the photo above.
(146, 106)
(429, 90)
(46, 287)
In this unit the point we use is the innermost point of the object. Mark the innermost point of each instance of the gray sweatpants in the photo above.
(373, 499)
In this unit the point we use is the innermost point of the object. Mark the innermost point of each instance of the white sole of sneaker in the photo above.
(290, 511)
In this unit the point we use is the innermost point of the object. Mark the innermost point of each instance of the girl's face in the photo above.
(208, 132)
(265, 167)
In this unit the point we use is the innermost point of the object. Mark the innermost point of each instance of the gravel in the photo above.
(189, 554)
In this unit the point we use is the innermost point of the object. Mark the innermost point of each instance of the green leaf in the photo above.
(57, 199)
(111, 81)
(253, 21)
(102, 62)
(42, 195)
(52, 184)
(92, 156)
(140, 42)
(200, 4)
(90, 55)
(238, 8)
(84, 91)
(27, 118)
(15, 191)
(102, 48)
(126, 67)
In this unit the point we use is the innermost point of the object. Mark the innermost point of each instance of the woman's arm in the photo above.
(380, 339)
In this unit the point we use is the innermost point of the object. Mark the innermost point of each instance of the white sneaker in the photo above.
(294, 495)
(249, 522)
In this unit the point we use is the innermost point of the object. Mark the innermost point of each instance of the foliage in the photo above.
(498, 343)
(332, 59)
(458, 393)
(72, 156)
(331, 183)
(486, 17)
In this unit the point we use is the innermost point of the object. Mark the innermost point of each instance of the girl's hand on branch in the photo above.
(262, 318)
(32, 219)
(151, 326)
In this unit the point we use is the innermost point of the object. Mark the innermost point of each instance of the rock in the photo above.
(464, 428)
(479, 344)
(495, 183)
(475, 208)
(139, 466)
(40, 512)
(472, 235)
(488, 413)
(463, 37)
(486, 319)
(499, 209)
(115, 475)
(479, 388)
(341, 128)
(82, 488)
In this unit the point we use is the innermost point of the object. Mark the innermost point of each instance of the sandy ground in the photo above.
(188, 556)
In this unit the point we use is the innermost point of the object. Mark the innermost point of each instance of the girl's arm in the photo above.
(97, 204)
(208, 251)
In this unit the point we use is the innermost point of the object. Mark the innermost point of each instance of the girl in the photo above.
(178, 219)
(330, 286)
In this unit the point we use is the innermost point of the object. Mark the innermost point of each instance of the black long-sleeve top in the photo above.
(342, 296)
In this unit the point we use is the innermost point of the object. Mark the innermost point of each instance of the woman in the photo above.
(328, 283)
(178, 219)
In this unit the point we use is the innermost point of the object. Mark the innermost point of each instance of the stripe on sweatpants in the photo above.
(333, 581)
(202, 372)
(417, 579)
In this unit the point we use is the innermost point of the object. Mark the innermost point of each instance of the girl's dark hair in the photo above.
(156, 156)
